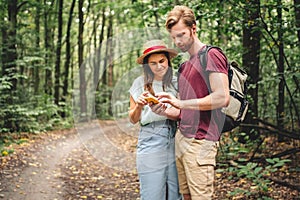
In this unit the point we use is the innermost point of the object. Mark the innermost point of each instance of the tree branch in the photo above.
(263, 125)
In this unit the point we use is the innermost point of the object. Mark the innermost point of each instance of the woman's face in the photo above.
(158, 64)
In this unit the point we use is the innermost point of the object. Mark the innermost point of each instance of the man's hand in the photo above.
(170, 99)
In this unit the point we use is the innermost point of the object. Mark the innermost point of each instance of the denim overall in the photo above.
(156, 161)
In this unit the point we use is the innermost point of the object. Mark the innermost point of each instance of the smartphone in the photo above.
(151, 99)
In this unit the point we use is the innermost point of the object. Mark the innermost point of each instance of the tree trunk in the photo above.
(251, 45)
(68, 55)
(48, 48)
(37, 46)
(83, 100)
(280, 70)
(58, 53)
(107, 52)
(9, 58)
(98, 63)
(111, 53)
(9, 44)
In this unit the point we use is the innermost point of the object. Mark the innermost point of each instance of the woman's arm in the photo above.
(136, 108)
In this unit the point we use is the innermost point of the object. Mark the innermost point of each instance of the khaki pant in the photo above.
(196, 161)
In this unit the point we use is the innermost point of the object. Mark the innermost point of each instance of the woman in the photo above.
(155, 150)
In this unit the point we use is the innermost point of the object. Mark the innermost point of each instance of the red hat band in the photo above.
(154, 48)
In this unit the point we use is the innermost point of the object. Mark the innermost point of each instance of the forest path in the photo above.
(84, 164)
(38, 178)
(37, 169)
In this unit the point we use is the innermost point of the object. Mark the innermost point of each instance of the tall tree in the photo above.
(111, 60)
(110, 47)
(251, 46)
(83, 100)
(9, 44)
(37, 46)
(9, 66)
(68, 55)
(48, 46)
(99, 50)
(58, 53)
(280, 69)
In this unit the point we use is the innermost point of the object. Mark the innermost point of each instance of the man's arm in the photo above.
(219, 96)
(161, 109)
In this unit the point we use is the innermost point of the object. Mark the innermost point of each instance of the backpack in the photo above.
(238, 105)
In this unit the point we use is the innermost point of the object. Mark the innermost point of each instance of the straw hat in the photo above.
(155, 46)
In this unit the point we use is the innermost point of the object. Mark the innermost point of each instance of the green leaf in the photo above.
(242, 159)
(269, 160)
(257, 170)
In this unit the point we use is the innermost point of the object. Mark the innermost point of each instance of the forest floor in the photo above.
(70, 164)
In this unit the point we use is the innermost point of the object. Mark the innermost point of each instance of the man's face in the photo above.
(182, 36)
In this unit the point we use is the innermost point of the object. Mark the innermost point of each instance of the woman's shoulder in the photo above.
(137, 86)
(139, 80)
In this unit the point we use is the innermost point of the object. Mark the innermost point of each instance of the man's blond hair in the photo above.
(180, 13)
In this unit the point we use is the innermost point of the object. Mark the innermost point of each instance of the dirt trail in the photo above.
(39, 172)
(65, 165)
(39, 178)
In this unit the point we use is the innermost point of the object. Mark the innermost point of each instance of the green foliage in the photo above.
(24, 113)
(5, 84)
(218, 22)
(233, 149)
(257, 175)
(6, 144)
(32, 114)
(241, 169)
(5, 151)
(103, 103)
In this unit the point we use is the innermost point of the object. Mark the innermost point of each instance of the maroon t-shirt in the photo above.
(193, 83)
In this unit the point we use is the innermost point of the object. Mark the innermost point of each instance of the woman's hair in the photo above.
(180, 13)
(149, 76)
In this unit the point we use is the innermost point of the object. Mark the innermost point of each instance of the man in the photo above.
(203, 92)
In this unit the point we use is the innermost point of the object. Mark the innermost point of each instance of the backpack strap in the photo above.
(180, 66)
(202, 55)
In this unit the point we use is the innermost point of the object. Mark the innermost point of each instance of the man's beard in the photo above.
(189, 44)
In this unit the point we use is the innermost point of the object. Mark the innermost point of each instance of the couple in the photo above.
(195, 105)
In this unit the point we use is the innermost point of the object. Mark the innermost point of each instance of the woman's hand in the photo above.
(141, 102)
(136, 107)
(158, 108)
